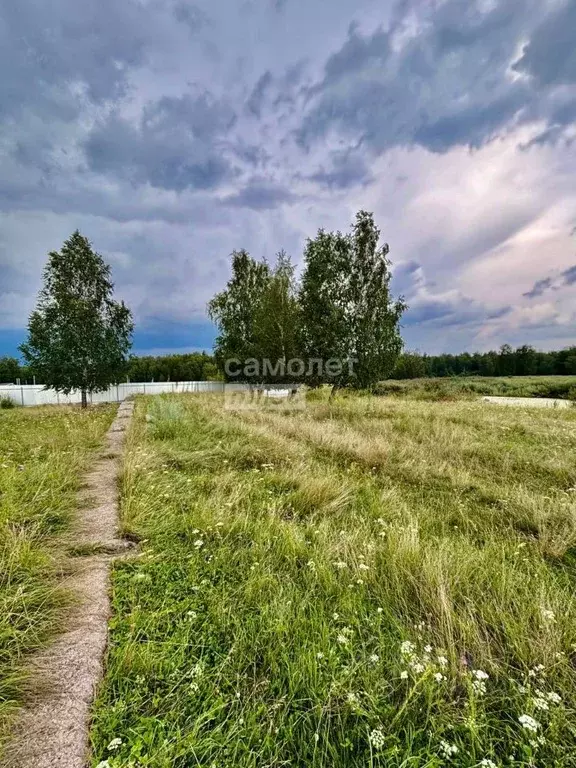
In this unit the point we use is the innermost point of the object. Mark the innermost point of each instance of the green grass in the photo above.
(43, 452)
(327, 588)
(458, 387)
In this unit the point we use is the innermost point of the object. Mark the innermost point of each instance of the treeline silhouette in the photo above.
(199, 366)
(195, 366)
(523, 361)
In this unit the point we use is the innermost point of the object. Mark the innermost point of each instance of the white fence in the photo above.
(35, 394)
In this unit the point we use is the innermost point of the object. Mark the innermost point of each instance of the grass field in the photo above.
(458, 387)
(42, 454)
(377, 582)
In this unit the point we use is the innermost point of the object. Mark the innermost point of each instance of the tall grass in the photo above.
(42, 454)
(458, 387)
(366, 583)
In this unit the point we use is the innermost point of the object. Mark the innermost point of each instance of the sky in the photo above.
(171, 132)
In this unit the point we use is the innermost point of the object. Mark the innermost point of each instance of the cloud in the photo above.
(569, 276)
(175, 146)
(540, 287)
(172, 132)
(448, 84)
(550, 55)
(346, 168)
(566, 278)
(191, 15)
(260, 196)
(258, 95)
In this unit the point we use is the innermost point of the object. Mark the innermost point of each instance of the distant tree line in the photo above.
(196, 366)
(523, 361)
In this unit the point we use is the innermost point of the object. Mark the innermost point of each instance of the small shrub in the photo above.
(7, 402)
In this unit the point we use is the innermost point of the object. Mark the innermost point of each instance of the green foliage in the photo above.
(277, 321)
(195, 366)
(258, 319)
(234, 309)
(523, 361)
(347, 309)
(9, 370)
(6, 403)
(78, 337)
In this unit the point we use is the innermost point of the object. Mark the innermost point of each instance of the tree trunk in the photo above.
(335, 389)
(84, 399)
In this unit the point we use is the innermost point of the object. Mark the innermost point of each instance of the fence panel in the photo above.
(35, 394)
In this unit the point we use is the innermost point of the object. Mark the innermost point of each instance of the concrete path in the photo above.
(52, 731)
(529, 402)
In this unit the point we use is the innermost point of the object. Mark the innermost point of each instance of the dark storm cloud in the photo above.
(540, 287)
(256, 99)
(550, 56)
(175, 146)
(569, 276)
(190, 15)
(52, 53)
(260, 196)
(448, 85)
(566, 278)
(157, 124)
(346, 169)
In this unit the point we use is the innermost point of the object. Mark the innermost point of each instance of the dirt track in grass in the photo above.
(52, 730)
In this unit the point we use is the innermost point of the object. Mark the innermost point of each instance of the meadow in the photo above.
(458, 387)
(364, 582)
(43, 452)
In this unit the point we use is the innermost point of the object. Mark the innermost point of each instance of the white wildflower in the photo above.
(198, 543)
(553, 697)
(529, 723)
(320, 655)
(418, 667)
(340, 564)
(379, 610)
(377, 738)
(479, 674)
(343, 639)
(448, 749)
(114, 744)
(103, 764)
(407, 648)
(487, 763)
(548, 616)
(404, 674)
(439, 677)
(443, 661)
(427, 649)
(374, 658)
(540, 703)
(479, 687)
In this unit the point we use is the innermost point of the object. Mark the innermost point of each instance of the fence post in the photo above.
(22, 394)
